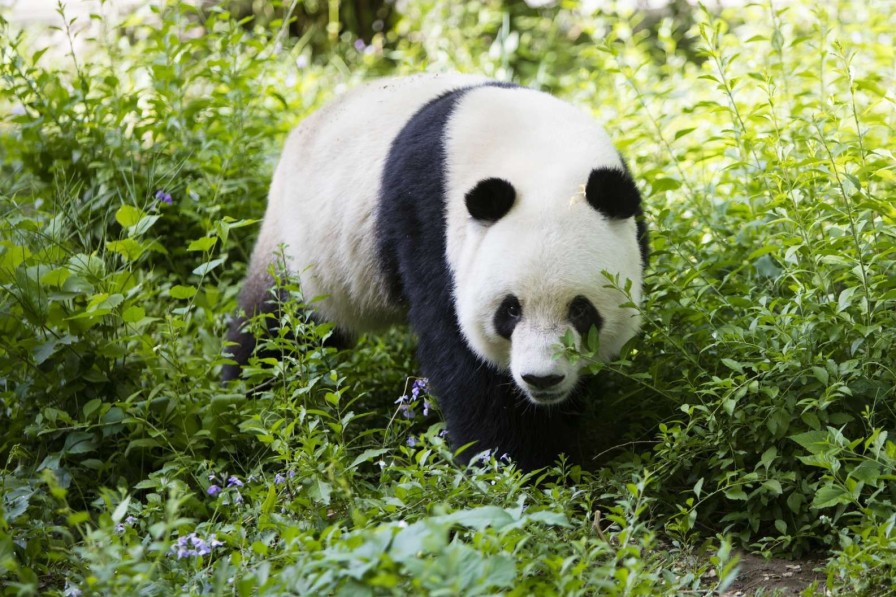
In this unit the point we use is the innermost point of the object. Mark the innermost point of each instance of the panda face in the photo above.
(535, 273)
(532, 276)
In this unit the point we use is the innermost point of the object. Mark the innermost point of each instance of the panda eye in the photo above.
(583, 315)
(507, 316)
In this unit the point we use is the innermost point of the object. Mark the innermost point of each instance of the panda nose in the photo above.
(542, 382)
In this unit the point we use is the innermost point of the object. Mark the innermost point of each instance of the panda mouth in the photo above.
(547, 398)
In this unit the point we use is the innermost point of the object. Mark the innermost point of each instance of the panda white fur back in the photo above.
(486, 215)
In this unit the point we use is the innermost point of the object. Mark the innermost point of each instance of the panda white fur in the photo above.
(482, 213)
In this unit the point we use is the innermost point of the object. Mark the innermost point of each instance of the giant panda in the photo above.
(487, 216)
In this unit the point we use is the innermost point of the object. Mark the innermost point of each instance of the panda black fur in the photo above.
(482, 213)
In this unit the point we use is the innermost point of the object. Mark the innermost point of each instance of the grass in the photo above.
(753, 412)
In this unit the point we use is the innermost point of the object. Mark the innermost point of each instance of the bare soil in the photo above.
(759, 576)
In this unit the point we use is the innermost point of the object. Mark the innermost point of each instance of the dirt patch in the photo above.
(774, 577)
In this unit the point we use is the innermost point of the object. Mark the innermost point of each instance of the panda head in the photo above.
(536, 270)
(540, 210)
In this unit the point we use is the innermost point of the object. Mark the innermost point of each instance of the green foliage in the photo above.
(755, 410)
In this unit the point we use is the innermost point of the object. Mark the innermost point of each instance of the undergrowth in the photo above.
(753, 412)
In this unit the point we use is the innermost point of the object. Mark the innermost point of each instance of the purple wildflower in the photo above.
(130, 520)
(412, 441)
(164, 197)
(190, 546)
(279, 479)
(233, 481)
(360, 45)
(213, 490)
(505, 457)
(427, 406)
(292, 474)
(119, 528)
(420, 386)
(482, 457)
(404, 407)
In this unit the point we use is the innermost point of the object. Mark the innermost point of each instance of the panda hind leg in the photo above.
(257, 298)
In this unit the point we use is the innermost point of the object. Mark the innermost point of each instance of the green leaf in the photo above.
(481, 518)
(182, 292)
(698, 487)
(768, 457)
(319, 491)
(733, 365)
(366, 456)
(773, 486)
(209, 266)
(133, 314)
(548, 517)
(128, 248)
(831, 495)
(665, 184)
(813, 441)
(56, 277)
(868, 472)
(736, 493)
(821, 374)
(203, 244)
(121, 509)
(128, 215)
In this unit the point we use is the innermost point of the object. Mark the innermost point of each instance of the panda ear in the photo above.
(490, 200)
(612, 192)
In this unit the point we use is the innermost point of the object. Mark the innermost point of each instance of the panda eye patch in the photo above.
(490, 200)
(507, 316)
(583, 315)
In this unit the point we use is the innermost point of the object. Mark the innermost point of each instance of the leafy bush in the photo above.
(754, 410)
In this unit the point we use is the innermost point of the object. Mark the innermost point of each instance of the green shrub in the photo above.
(754, 410)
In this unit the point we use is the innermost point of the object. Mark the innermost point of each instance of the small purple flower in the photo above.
(404, 407)
(443, 433)
(279, 479)
(412, 441)
(192, 545)
(233, 481)
(130, 520)
(119, 528)
(427, 406)
(213, 490)
(164, 197)
(420, 386)
(505, 457)
(360, 45)
(482, 457)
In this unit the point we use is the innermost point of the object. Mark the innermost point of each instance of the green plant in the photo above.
(755, 410)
